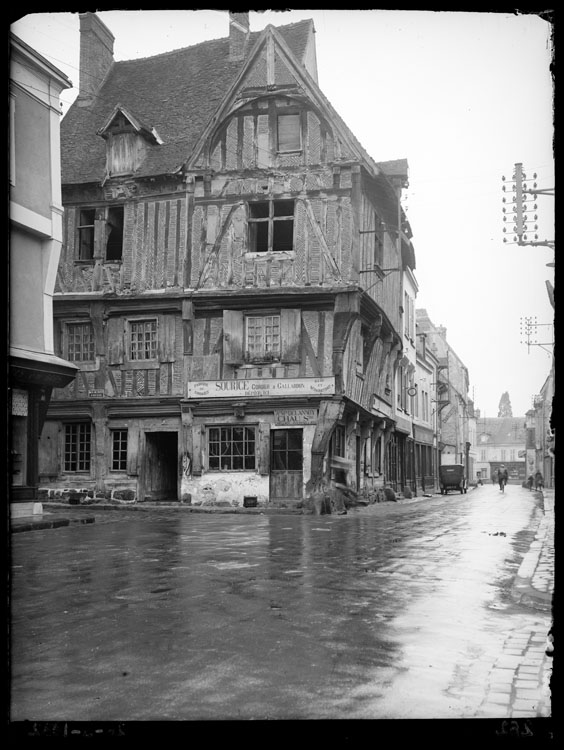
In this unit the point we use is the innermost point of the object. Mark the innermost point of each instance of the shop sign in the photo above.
(295, 416)
(261, 388)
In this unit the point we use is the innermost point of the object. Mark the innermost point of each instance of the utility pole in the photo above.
(528, 329)
(521, 204)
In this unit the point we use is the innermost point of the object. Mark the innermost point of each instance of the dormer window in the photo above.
(127, 141)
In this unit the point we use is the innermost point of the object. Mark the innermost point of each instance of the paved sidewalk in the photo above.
(534, 582)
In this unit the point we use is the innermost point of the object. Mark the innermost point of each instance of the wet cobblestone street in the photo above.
(392, 611)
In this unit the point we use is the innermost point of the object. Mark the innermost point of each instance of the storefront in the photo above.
(249, 442)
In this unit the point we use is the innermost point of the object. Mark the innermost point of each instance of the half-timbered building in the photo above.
(227, 282)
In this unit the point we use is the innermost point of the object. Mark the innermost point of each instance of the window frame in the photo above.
(76, 443)
(73, 324)
(101, 216)
(271, 220)
(231, 455)
(121, 449)
(85, 227)
(262, 354)
(134, 322)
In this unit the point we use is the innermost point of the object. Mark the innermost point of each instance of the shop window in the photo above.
(262, 338)
(77, 447)
(231, 448)
(119, 450)
(143, 339)
(271, 226)
(80, 342)
(289, 132)
(85, 231)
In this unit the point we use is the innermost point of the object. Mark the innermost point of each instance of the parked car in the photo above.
(452, 477)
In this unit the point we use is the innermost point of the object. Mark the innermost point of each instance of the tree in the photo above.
(505, 406)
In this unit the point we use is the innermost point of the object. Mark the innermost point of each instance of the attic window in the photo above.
(289, 133)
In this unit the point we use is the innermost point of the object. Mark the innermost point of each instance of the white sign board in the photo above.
(261, 388)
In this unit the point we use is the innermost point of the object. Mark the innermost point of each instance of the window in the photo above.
(503, 454)
(262, 337)
(80, 342)
(231, 448)
(114, 246)
(338, 442)
(77, 446)
(119, 450)
(111, 222)
(271, 226)
(86, 233)
(289, 133)
(482, 455)
(143, 339)
(512, 455)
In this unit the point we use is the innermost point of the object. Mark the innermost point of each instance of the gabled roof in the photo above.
(175, 93)
(502, 430)
(144, 130)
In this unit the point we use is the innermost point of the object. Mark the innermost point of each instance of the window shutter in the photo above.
(115, 341)
(167, 338)
(290, 335)
(264, 448)
(133, 452)
(197, 446)
(233, 337)
(289, 132)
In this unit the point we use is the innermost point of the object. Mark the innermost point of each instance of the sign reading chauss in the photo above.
(295, 416)
(262, 388)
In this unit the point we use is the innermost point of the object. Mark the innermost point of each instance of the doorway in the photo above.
(160, 466)
(286, 465)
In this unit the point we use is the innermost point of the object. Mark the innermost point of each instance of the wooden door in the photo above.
(160, 465)
(286, 465)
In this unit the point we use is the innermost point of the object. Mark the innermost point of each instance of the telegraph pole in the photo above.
(521, 203)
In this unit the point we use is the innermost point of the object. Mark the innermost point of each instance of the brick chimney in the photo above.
(238, 34)
(96, 55)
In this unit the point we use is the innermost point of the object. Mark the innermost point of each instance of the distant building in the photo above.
(35, 244)
(451, 400)
(502, 440)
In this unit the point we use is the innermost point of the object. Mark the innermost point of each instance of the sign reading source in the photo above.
(261, 388)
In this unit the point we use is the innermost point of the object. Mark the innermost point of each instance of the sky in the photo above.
(463, 96)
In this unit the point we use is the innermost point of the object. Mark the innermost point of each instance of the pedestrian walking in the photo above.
(539, 481)
(502, 477)
(530, 482)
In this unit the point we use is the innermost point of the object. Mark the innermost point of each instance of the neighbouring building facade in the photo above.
(226, 285)
(425, 416)
(540, 425)
(35, 239)
(501, 440)
(455, 410)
